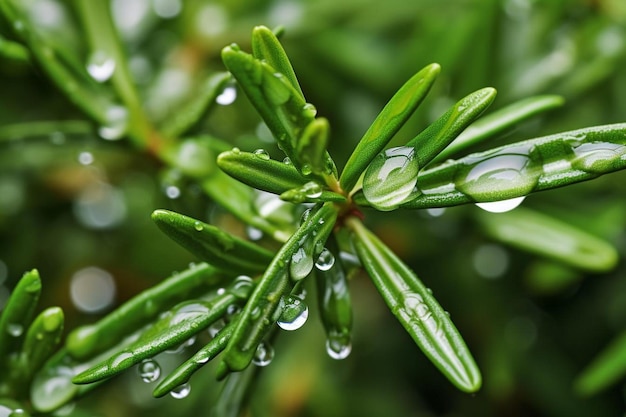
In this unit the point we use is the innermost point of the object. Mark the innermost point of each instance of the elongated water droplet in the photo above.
(149, 370)
(181, 391)
(325, 261)
(507, 173)
(294, 313)
(302, 260)
(262, 154)
(100, 66)
(391, 178)
(598, 157)
(263, 355)
(121, 359)
(227, 96)
(501, 206)
(15, 329)
(338, 346)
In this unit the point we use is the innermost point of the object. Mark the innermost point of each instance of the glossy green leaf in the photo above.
(18, 312)
(192, 112)
(171, 330)
(500, 120)
(265, 46)
(417, 310)
(42, 340)
(311, 148)
(89, 340)
(521, 168)
(282, 108)
(444, 130)
(211, 244)
(544, 235)
(259, 171)
(606, 369)
(387, 123)
(183, 372)
(13, 50)
(262, 309)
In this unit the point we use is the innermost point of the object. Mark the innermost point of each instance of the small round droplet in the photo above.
(338, 347)
(294, 314)
(198, 226)
(391, 178)
(287, 161)
(254, 233)
(262, 154)
(181, 391)
(306, 170)
(149, 370)
(85, 158)
(309, 110)
(263, 355)
(325, 261)
(15, 329)
(236, 150)
(115, 127)
(100, 66)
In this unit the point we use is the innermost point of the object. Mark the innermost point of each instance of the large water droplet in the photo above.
(501, 206)
(181, 391)
(506, 173)
(294, 313)
(263, 355)
(242, 286)
(302, 260)
(309, 111)
(325, 261)
(149, 370)
(391, 178)
(227, 96)
(338, 346)
(312, 189)
(598, 157)
(100, 66)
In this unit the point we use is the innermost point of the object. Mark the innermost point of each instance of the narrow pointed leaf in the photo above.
(387, 123)
(265, 46)
(311, 148)
(211, 244)
(18, 313)
(182, 373)
(606, 369)
(260, 173)
(544, 235)
(417, 310)
(260, 313)
(497, 122)
(171, 330)
(192, 112)
(521, 168)
(42, 339)
(89, 340)
(445, 129)
(282, 108)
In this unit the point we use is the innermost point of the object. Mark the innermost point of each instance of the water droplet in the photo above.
(15, 329)
(100, 66)
(255, 313)
(172, 192)
(309, 111)
(391, 178)
(294, 313)
(242, 286)
(92, 289)
(52, 388)
(501, 206)
(598, 157)
(149, 370)
(216, 327)
(305, 216)
(254, 233)
(198, 226)
(121, 359)
(276, 88)
(262, 154)
(338, 346)
(436, 212)
(85, 158)
(306, 170)
(325, 261)
(263, 355)
(100, 206)
(116, 122)
(508, 173)
(227, 96)
(312, 189)
(287, 161)
(181, 391)
(232, 310)
(236, 151)
(302, 260)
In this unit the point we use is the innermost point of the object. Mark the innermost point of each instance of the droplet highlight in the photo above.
(149, 370)
(325, 261)
(263, 355)
(100, 66)
(180, 392)
(294, 313)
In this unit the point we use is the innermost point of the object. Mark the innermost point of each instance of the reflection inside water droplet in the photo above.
(325, 261)
(181, 391)
(263, 355)
(149, 370)
(598, 157)
(227, 96)
(501, 206)
(100, 66)
(338, 346)
(294, 313)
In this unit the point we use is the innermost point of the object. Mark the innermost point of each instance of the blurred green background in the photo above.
(78, 207)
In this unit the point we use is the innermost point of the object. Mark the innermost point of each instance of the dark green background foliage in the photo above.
(533, 324)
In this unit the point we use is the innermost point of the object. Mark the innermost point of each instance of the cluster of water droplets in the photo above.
(391, 178)
(294, 313)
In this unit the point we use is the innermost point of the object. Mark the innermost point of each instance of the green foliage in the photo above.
(271, 230)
